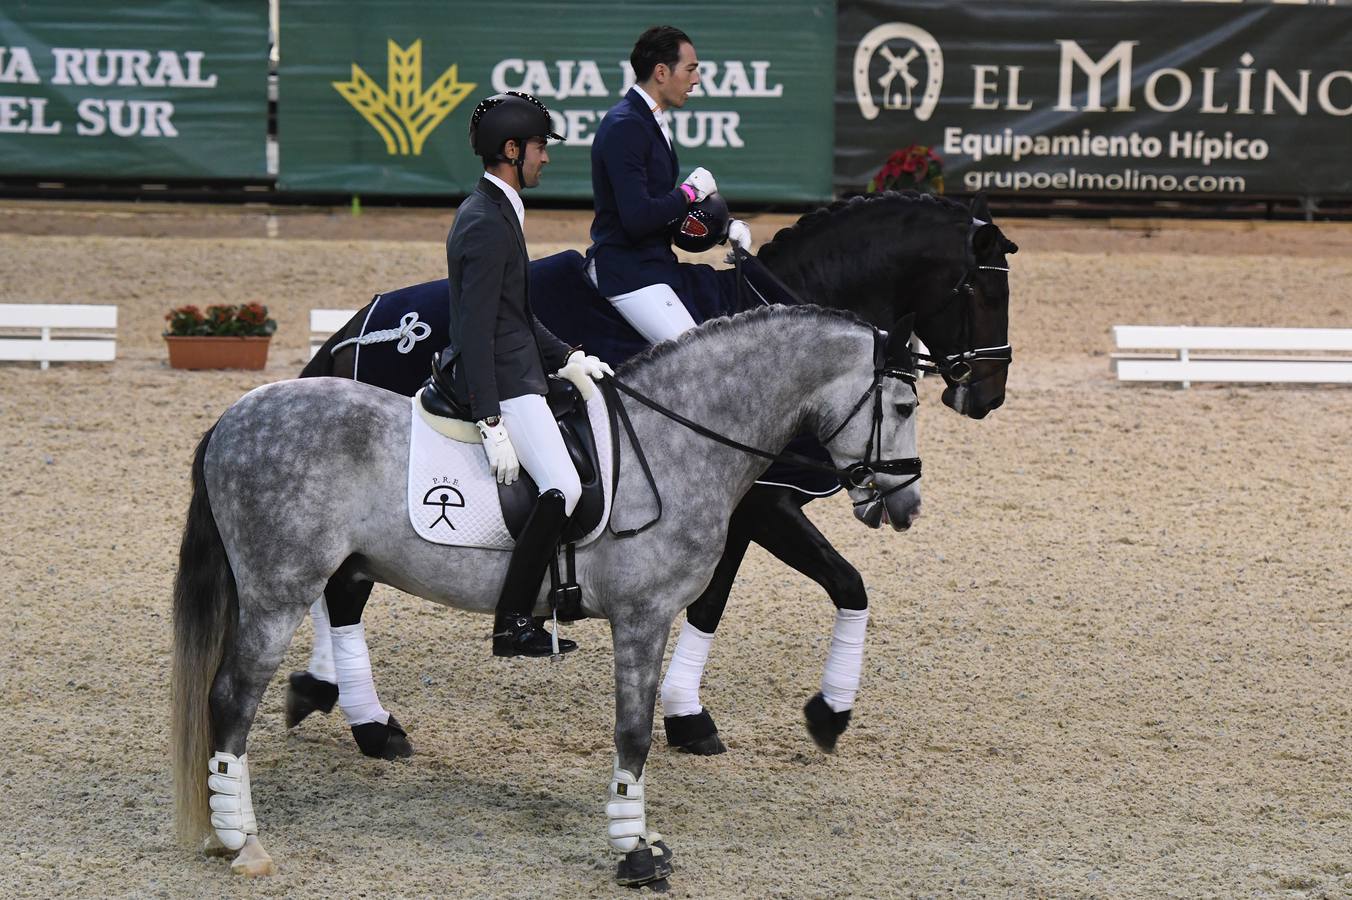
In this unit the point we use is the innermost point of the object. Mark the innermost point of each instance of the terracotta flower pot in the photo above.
(217, 352)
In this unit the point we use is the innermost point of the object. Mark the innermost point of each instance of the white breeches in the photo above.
(654, 311)
(539, 446)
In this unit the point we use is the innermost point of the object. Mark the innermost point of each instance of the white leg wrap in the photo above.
(232, 813)
(321, 654)
(625, 810)
(352, 666)
(845, 659)
(680, 689)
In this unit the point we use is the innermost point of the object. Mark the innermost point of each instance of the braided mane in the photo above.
(863, 242)
(760, 318)
(908, 204)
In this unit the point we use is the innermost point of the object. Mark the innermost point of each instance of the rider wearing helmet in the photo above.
(637, 199)
(499, 352)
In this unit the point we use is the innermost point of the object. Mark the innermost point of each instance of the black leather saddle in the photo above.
(518, 498)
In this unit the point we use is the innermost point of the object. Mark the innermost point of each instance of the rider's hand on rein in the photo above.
(739, 235)
(591, 366)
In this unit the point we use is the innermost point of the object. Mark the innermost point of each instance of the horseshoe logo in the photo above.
(898, 83)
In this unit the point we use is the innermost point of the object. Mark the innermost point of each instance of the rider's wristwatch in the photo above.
(493, 421)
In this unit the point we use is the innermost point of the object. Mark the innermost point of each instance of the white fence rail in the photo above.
(323, 323)
(1283, 355)
(47, 333)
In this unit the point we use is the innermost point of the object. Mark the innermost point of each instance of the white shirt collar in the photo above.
(658, 114)
(652, 104)
(512, 195)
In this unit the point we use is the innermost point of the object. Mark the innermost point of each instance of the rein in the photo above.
(857, 476)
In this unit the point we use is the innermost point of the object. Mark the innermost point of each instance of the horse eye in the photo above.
(905, 409)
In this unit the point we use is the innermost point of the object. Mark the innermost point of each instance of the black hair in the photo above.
(659, 44)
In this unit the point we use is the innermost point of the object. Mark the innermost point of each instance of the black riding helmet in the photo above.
(510, 116)
(704, 224)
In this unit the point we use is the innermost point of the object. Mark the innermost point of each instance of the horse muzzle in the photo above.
(900, 509)
(964, 400)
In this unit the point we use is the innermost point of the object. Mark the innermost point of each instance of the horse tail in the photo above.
(206, 605)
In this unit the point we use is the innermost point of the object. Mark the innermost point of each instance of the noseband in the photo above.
(856, 476)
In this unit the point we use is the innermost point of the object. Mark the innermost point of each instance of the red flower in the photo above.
(915, 166)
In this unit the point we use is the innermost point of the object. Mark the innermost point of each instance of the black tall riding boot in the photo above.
(514, 631)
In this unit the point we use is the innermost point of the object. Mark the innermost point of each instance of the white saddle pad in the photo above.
(452, 497)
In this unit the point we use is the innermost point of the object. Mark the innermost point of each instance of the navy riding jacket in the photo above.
(634, 178)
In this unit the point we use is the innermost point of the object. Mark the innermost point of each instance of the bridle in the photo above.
(856, 476)
(958, 367)
(861, 475)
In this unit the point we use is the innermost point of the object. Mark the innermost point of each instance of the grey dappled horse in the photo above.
(881, 256)
(265, 531)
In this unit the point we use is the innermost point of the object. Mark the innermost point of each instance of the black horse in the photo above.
(882, 256)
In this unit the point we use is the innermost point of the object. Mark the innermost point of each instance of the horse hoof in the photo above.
(644, 865)
(253, 861)
(695, 734)
(824, 723)
(388, 741)
(305, 694)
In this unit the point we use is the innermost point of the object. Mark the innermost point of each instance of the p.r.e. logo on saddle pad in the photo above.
(452, 495)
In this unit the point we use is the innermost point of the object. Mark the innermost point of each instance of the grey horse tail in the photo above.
(206, 605)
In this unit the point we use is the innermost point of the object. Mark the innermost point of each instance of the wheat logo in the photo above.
(404, 115)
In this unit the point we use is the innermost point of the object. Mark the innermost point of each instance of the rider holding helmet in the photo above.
(499, 352)
(634, 171)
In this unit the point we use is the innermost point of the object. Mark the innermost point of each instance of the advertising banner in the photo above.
(1071, 97)
(376, 98)
(136, 89)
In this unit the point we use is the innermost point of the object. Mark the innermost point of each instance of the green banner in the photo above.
(134, 89)
(376, 98)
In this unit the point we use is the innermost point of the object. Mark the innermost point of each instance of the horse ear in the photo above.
(989, 239)
(979, 208)
(985, 240)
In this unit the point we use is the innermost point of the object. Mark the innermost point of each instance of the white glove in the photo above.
(502, 461)
(701, 182)
(739, 234)
(591, 366)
